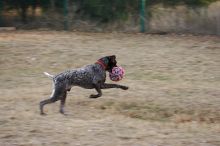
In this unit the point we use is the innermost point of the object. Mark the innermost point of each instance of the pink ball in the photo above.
(117, 73)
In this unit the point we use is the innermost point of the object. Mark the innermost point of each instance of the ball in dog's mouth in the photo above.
(117, 73)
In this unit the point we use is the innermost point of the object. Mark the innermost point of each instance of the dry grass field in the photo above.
(173, 100)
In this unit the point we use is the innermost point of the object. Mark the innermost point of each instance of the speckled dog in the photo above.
(88, 77)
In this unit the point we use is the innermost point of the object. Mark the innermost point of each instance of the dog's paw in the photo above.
(124, 87)
(94, 96)
(43, 114)
(63, 112)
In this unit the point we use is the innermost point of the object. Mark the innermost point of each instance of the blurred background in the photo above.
(152, 16)
(172, 70)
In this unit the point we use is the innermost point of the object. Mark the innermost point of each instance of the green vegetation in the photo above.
(102, 10)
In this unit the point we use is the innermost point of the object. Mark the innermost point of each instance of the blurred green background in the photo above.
(153, 16)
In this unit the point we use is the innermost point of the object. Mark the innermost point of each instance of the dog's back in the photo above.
(83, 77)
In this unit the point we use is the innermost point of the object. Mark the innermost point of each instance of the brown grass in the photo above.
(173, 97)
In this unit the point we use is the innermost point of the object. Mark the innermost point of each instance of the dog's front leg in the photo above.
(107, 86)
(98, 89)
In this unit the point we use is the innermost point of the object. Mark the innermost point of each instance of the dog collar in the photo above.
(104, 66)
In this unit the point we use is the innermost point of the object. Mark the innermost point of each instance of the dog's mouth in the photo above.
(111, 66)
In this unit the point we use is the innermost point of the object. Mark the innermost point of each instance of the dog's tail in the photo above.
(49, 75)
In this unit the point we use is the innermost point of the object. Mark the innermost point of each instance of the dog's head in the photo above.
(108, 62)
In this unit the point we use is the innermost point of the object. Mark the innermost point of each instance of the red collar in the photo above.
(104, 66)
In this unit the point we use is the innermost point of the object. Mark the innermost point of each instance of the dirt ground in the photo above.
(173, 100)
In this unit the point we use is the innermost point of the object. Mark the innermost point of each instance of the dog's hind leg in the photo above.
(62, 102)
(53, 98)
(44, 102)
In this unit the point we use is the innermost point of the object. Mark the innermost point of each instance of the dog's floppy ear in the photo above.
(113, 58)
